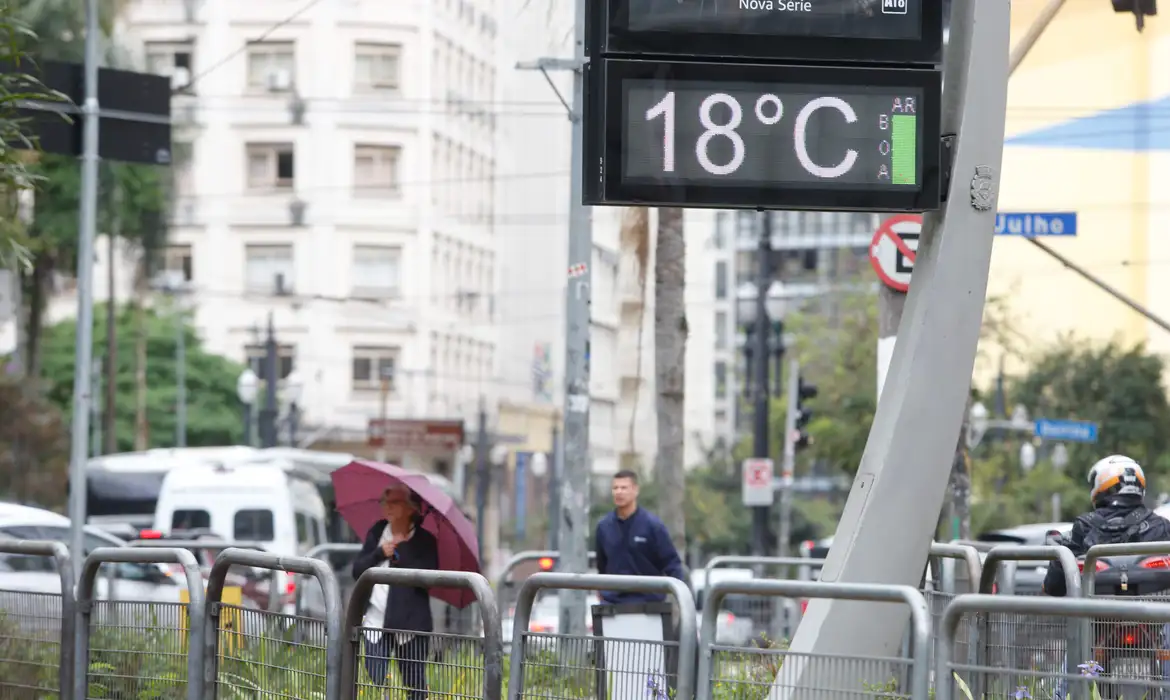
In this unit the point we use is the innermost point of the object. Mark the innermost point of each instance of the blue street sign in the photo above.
(1066, 430)
(1030, 225)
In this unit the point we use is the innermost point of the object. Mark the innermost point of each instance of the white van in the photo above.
(258, 503)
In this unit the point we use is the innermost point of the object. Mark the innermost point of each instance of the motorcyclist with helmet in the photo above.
(1117, 489)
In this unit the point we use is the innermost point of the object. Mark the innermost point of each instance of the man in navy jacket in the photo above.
(632, 541)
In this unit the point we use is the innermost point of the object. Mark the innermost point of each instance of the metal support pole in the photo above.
(180, 376)
(95, 424)
(83, 350)
(249, 438)
(271, 378)
(556, 473)
(899, 486)
(481, 476)
(573, 518)
(788, 466)
(762, 394)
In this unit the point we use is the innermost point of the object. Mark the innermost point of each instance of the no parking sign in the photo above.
(893, 249)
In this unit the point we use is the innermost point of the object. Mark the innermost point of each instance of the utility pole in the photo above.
(481, 476)
(554, 489)
(383, 413)
(271, 377)
(83, 349)
(575, 484)
(180, 373)
(111, 393)
(788, 465)
(95, 428)
(762, 394)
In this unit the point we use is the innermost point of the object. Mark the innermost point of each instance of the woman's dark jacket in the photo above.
(407, 608)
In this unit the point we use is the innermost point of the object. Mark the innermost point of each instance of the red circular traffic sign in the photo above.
(893, 249)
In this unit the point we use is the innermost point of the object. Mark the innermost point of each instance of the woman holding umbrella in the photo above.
(404, 612)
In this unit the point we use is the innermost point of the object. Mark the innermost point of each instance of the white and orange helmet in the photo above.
(1116, 475)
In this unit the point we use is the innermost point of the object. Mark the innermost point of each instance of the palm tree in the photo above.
(670, 354)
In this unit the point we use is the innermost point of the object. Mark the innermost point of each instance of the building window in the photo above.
(172, 59)
(376, 67)
(177, 259)
(721, 281)
(271, 66)
(375, 170)
(375, 272)
(720, 330)
(268, 269)
(271, 166)
(371, 365)
(257, 356)
(720, 380)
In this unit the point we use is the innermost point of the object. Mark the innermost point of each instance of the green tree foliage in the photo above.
(14, 173)
(1120, 388)
(34, 447)
(133, 199)
(213, 413)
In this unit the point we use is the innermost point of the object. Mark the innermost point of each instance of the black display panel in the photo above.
(735, 135)
(881, 31)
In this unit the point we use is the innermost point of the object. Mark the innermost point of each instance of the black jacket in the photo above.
(1121, 520)
(407, 608)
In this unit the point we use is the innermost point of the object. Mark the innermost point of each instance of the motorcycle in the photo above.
(1130, 651)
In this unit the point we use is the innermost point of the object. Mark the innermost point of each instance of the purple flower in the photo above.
(1091, 669)
(1022, 693)
(653, 690)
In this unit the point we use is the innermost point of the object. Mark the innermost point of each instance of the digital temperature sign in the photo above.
(767, 136)
(893, 31)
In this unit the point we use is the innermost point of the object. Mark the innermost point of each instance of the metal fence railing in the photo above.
(308, 591)
(37, 627)
(249, 652)
(1133, 676)
(207, 640)
(608, 666)
(205, 552)
(415, 661)
(761, 672)
(775, 619)
(135, 648)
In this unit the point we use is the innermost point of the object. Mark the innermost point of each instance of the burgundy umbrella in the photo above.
(358, 489)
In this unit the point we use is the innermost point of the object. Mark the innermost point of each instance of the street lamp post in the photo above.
(762, 313)
(247, 386)
(293, 388)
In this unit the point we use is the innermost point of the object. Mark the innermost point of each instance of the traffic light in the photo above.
(546, 563)
(1139, 8)
(804, 392)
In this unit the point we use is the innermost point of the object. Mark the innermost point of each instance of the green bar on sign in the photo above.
(904, 149)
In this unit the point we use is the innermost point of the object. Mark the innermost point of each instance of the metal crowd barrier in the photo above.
(781, 616)
(322, 552)
(250, 651)
(139, 657)
(580, 665)
(771, 668)
(26, 634)
(1041, 641)
(1076, 680)
(216, 546)
(943, 559)
(402, 660)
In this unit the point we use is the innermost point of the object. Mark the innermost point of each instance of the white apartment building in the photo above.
(336, 168)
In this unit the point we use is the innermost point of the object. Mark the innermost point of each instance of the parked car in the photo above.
(139, 582)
